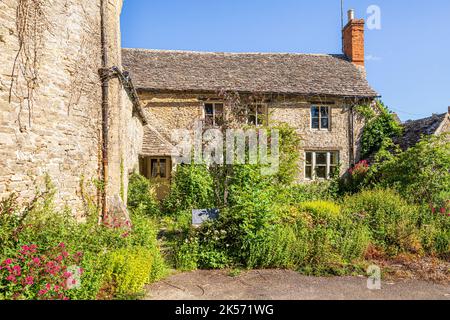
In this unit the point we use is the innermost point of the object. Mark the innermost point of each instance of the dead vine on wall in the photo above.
(31, 24)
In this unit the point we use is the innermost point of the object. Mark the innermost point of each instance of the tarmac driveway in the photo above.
(287, 285)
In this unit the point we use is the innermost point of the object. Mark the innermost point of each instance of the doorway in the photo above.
(159, 171)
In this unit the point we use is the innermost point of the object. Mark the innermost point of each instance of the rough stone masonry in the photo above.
(50, 100)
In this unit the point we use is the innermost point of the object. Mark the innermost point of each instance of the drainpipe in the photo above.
(105, 103)
(351, 126)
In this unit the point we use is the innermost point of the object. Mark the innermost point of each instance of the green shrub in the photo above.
(321, 210)
(192, 188)
(142, 195)
(40, 224)
(377, 129)
(422, 173)
(434, 226)
(129, 269)
(187, 253)
(390, 219)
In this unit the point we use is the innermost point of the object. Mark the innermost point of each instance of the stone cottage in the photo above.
(414, 130)
(67, 109)
(314, 93)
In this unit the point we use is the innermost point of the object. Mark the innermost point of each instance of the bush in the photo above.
(39, 224)
(38, 274)
(422, 173)
(192, 188)
(390, 219)
(129, 269)
(142, 196)
(434, 226)
(323, 211)
(378, 128)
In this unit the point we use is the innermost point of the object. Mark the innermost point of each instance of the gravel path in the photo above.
(287, 285)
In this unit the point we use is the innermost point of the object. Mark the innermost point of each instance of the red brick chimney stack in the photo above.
(354, 39)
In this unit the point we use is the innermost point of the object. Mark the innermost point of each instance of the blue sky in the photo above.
(410, 55)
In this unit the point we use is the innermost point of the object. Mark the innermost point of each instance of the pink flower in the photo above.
(65, 254)
(17, 270)
(48, 286)
(62, 245)
(42, 292)
(56, 288)
(67, 274)
(29, 280)
(59, 258)
(7, 262)
(443, 210)
(11, 278)
(37, 261)
(25, 248)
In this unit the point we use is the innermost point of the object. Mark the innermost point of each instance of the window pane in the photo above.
(315, 112)
(308, 172)
(321, 158)
(324, 111)
(154, 168)
(321, 172)
(162, 168)
(309, 158)
(209, 109)
(324, 124)
(219, 114)
(209, 120)
(252, 119)
(315, 123)
(334, 158)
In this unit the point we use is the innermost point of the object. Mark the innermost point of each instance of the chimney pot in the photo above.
(353, 36)
(351, 15)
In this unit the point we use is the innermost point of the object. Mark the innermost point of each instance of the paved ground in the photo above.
(287, 285)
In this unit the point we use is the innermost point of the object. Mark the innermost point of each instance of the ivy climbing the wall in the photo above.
(380, 126)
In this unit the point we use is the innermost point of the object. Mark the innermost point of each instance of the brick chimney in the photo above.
(353, 35)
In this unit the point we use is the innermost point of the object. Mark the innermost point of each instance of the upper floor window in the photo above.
(257, 114)
(320, 117)
(214, 114)
(321, 164)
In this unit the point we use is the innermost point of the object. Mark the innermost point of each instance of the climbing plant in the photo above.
(380, 126)
(31, 23)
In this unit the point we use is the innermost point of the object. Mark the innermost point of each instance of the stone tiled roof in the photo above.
(415, 129)
(156, 140)
(284, 73)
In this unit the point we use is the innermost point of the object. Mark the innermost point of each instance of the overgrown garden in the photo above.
(396, 202)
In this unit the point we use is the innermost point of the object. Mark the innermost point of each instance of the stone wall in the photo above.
(50, 99)
(175, 111)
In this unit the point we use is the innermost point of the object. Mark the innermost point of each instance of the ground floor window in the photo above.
(320, 165)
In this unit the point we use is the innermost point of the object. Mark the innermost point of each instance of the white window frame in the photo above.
(264, 113)
(320, 117)
(214, 103)
(314, 165)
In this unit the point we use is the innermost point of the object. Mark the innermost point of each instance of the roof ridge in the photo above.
(234, 53)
